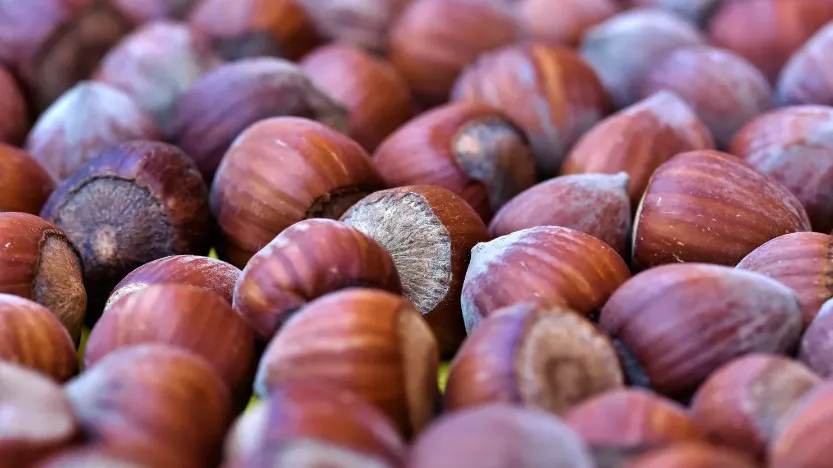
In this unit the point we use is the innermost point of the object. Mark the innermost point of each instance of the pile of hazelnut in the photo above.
(416, 233)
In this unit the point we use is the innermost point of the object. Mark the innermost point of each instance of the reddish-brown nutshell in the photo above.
(792, 145)
(429, 232)
(281, 171)
(361, 23)
(801, 260)
(137, 202)
(499, 435)
(632, 417)
(154, 403)
(722, 88)
(214, 111)
(803, 438)
(470, 148)
(32, 337)
(156, 64)
(185, 316)
(563, 22)
(545, 358)
(14, 123)
(623, 49)
(681, 322)
(375, 94)
(802, 80)
(711, 207)
(314, 425)
(767, 32)
(39, 262)
(695, 11)
(85, 121)
(370, 342)
(208, 273)
(37, 417)
(90, 456)
(817, 344)
(26, 184)
(546, 266)
(255, 28)
(595, 204)
(638, 139)
(693, 455)
(740, 404)
(549, 91)
(434, 40)
(307, 260)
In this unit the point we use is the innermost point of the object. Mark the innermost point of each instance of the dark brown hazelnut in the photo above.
(15, 121)
(361, 23)
(37, 417)
(801, 260)
(155, 404)
(429, 231)
(156, 64)
(817, 342)
(375, 94)
(26, 184)
(252, 28)
(39, 262)
(550, 359)
(469, 148)
(693, 455)
(85, 121)
(711, 207)
(562, 22)
(184, 316)
(213, 112)
(549, 91)
(307, 260)
(208, 273)
(682, 322)
(802, 438)
(803, 79)
(314, 425)
(546, 266)
(370, 342)
(595, 204)
(281, 171)
(740, 404)
(499, 436)
(137, 202)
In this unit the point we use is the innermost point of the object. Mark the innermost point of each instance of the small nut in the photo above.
(801, 440)
(694, 11)
(14, 123)
(26, 184)
(90, 457)
(816, 344)
(802, 80)
(693, 455)
(361, 23)
(563, 22)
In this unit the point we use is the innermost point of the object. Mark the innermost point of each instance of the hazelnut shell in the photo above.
(26, 184)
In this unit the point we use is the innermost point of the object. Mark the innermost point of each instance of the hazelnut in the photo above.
(802, 439)
(550, 359)
(155, 10)
(90, 457)
(501, 436)
(85, 121)
(694, 11)
(211, 114)
(252, 28)
(817, 342)
(549, 91)
(376, 96)
(546, 266)
(723, 89)
(595, 204)
(361, 23)
(434, 40)
(26, 184)
(563, 22)
(281, 171)
(37, 418)
(307, 260)
(792, 145)
(15, 121)
(802, 80)
(801, 260)
(184, 316)
(153, 403)
(156, 64)
(623, 49)
(740, 404)
(315, 425)
(692, 455)
(682, 322)
(767, 32)
(137, 202)
(469, 148)
(711, 207)
(429, 232)
(370, 342)
(638, 139)
(39, 262)
(632, 417)
(208, 273)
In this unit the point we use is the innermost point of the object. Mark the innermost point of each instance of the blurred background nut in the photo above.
(26, 184)
(800, 439)
(564, 22)
(817, 342)
(693, 455)
(14, 123)
(694, 11)
(361, 23)
(803, 81)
